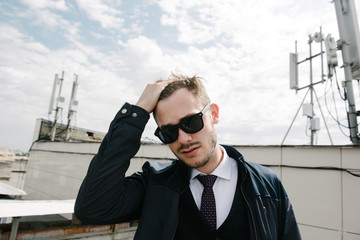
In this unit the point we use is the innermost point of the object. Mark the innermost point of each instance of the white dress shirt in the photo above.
(224, 187)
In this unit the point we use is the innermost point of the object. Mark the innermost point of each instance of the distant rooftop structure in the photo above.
(6, 160)
(43, 132)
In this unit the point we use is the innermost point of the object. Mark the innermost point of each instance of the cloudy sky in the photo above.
(116, 47)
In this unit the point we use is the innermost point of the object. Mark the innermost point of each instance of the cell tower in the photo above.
(60, 101)
(72, 106)
(349, 44)
(308, 108)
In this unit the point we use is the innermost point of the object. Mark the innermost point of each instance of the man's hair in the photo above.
(193, 84)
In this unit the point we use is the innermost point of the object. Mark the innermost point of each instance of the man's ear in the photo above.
(214, 108)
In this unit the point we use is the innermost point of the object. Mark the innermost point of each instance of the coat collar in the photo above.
(176, 176)
(253, 183)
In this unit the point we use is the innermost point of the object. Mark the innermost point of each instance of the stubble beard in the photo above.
(209, 156)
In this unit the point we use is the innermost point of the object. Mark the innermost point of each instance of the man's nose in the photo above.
(184, 137)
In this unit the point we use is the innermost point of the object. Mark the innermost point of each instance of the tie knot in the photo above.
(207, 180)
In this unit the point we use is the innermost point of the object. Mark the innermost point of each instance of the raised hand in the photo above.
(151, 94)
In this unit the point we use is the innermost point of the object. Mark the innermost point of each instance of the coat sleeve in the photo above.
(273, 212)
(288, 227)
(106, 196)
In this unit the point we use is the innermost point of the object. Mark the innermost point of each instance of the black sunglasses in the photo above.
(191, 124)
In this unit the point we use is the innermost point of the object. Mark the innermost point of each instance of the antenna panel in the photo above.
(315, 124)
(53, 94)
(307, 110)
(74, 105)
(331, 55)
(294, 84)
(60, 102)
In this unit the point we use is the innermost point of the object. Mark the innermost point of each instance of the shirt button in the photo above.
(124, 111)
(134, 115)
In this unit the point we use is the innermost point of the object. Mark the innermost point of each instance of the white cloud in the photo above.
(42, 4)
(41, 13)
(103, 12)
(244, 23)
(53, 21)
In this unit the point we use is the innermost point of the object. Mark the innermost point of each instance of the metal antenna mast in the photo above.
(349, 43)
(308, 109)
(59, 102)
(72, 106)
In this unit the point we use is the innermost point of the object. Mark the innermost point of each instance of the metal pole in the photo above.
(322, 56)
(53, 130)
(71, 106)
(53, 93)
(14, 228)
(341, 8)
(295, 117)
(311, 92)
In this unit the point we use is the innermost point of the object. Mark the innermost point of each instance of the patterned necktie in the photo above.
(208, 208)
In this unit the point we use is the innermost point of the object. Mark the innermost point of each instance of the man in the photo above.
(210, 192)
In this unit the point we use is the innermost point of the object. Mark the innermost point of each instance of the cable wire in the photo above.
(351, 172)
(338, 87)
(336, 119)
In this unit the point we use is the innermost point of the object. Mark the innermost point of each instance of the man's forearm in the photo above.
(105, 190)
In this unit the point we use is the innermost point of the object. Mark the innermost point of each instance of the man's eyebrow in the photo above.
(181, 119)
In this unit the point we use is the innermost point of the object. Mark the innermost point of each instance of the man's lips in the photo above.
(189, 152)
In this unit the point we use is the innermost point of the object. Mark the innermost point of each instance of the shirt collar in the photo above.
(222, 171)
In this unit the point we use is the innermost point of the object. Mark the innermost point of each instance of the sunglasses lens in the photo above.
(167, 134)
(192, 124)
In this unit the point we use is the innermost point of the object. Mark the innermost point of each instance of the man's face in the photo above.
(197, 150)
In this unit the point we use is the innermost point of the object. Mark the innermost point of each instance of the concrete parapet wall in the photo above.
(324, 195)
